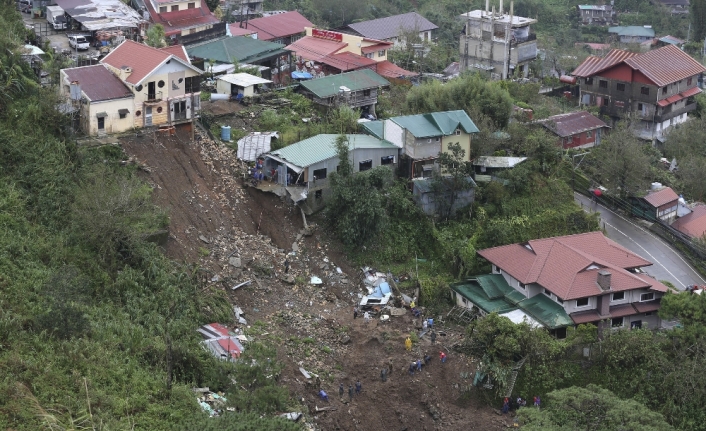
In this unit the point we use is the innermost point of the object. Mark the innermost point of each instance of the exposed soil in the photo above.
(239, 233)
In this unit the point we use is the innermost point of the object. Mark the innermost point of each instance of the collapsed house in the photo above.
(221, 342)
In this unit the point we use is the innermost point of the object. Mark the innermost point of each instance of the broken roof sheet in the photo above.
(243, 79)
(255, 144)
(220, 341)
(498, 161)
(101, 14)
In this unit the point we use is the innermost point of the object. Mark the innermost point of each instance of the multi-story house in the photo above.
(185, 21)
(358, 89)
(566, 281)
(422, 137)
(592, 14)
(166, 86)
(396, 29)
(499, 43)
(658, 87)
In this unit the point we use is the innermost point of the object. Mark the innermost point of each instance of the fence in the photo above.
(695, 252)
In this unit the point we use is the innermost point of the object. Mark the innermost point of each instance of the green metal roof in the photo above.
(546, 311)
(357, 80)
(436, 123)
(632, 30)
(472, 291)
(323, 147)
(243, 49)
(491, 293)
(374, 128)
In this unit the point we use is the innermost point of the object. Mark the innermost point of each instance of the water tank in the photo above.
(656, 186)
(225, 133)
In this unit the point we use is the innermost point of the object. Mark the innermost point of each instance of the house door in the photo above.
(180, 110)
(151, 91)
(101, 123)
(148, 116)
(637, 324)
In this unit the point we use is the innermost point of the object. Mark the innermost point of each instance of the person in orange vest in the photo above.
(408, 344)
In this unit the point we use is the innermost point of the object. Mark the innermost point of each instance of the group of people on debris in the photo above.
(520, 402)
(341, 390)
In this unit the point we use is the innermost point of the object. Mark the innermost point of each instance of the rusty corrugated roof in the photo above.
(593, 64)
(98, 83)
(572, 123)
(666, 65)
(661, 197)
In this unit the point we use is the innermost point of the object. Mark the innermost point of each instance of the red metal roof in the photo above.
(585, 317)
(694, 223)
(622, 310)
(98, 83)
(691, 92)
(314, 48)
(572, 123)
(679, 96)
(375, 48)
(561, 264)
(236, 30)
(661, 197)
(141, 58)
(646, 307)
(666, 65)
(391, 70)
(280, 25)
(593, 64)
(174, 22)
(346, 61)
(177, 51)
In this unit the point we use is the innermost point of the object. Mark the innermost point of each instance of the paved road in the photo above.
(668, 264)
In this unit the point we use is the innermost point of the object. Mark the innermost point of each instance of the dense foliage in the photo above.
(97, 326)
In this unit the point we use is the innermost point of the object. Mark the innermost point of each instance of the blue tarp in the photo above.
(301, 75)
(382, 290)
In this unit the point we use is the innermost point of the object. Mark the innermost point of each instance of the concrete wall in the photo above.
(112, 123)
(393, 133)
(181, 5)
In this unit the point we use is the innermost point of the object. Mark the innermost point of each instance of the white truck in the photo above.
(78, 42)
(55, 17)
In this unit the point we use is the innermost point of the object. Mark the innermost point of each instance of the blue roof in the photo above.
(632, 30)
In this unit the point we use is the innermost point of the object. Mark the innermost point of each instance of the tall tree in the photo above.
(698, 19)
(451, 180)
(621, 162)
(156, 37)
(590, 409)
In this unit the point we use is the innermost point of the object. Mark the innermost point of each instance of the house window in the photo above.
(319, 174)
(647, 296)
(138, 113)
(365, 165)
(618, 296)
(603, 84)
(162, 9)
(589, 81)
(101, 123)
(583, 302)
(381, 53)
(193, 84)
(664, 90)
(688, 81)
(159, 109)
(191, 5)
(620, 87)
(589, 134)
(645, 91)
(639, 106)
(559, 300)
(366, 93)
(370, 55)
(138, 88)
(123, 113)
(175, 8)
(649, 313)
(619, 104)
(387, 160)
(160, 84)
(458, 132)
(522, 285)
(548, 293)
(616, 322)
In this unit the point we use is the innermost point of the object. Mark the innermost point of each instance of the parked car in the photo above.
(24, 6)
(78, 42)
